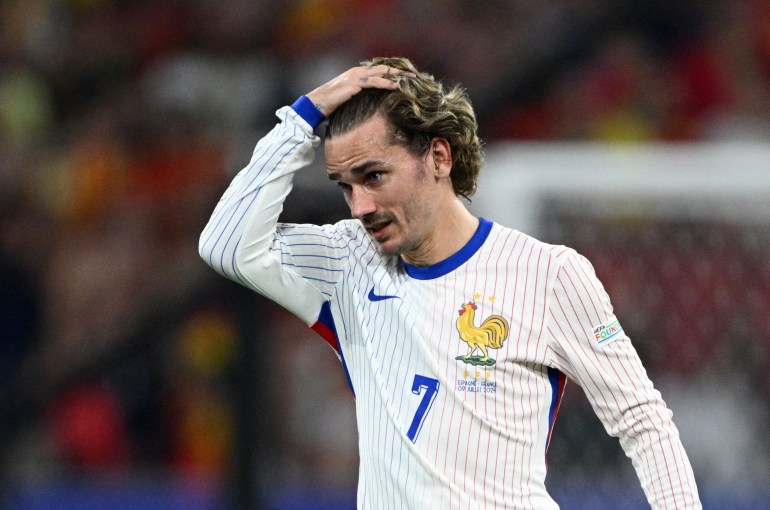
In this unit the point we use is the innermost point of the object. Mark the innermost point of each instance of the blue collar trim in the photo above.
(448, 265)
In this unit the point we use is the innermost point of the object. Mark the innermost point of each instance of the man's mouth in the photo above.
(378, 230)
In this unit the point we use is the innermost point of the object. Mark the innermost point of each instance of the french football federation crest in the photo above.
(490, 335)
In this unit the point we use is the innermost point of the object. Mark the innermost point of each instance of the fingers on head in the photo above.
(381, 69)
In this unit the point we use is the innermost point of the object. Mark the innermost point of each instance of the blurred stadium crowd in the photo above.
(122, 121)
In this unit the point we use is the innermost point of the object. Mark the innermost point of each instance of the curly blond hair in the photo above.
(419, 110)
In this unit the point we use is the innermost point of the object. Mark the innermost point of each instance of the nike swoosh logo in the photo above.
(376, 297)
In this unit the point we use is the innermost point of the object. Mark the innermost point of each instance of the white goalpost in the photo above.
(726, 181)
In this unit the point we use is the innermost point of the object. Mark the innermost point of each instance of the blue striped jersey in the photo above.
(457, 368)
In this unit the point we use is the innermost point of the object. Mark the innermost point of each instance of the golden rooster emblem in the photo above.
(491, 334)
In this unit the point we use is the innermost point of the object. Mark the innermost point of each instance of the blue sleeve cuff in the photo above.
(308, 111)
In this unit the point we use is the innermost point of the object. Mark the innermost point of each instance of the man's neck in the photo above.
(453, 229)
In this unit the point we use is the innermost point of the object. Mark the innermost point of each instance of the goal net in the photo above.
(680, 237)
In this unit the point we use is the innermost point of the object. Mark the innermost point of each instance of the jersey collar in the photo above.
(448, 265)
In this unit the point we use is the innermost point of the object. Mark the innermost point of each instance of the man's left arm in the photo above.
(590, 346)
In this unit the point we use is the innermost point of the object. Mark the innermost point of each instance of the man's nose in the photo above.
(360, 202)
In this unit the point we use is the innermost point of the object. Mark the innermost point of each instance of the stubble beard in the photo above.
(411, 239)
(417, 214)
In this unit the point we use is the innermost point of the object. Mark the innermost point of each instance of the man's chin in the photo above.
(387, 247)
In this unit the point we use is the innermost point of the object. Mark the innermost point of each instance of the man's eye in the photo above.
(344, 187)
(373, 176)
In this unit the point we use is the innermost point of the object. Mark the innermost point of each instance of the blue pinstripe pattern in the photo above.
(476, 449)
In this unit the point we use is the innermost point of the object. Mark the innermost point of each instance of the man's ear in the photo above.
(440, 157)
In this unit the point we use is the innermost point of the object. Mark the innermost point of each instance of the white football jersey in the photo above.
(457, 368)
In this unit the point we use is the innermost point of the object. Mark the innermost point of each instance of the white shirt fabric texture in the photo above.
(442, 425)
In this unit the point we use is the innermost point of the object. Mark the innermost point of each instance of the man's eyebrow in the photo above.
(356, 170)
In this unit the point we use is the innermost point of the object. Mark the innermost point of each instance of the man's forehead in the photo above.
(369, 140)
(371, 131)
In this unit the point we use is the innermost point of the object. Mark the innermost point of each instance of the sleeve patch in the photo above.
(607, 332)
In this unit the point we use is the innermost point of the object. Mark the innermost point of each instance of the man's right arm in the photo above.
(238, 238)
(243, 241)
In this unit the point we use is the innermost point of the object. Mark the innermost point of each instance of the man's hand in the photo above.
(329, 96)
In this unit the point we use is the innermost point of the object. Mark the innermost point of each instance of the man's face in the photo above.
(388, 189)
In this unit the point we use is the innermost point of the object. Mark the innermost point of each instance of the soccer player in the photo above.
(456, 334)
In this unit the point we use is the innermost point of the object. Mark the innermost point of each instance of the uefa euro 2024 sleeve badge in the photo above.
(490, 335)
